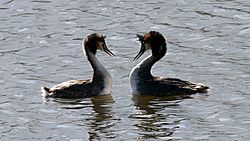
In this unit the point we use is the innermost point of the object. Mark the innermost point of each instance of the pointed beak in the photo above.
(142, 50)
(105, 49)
(140, 37)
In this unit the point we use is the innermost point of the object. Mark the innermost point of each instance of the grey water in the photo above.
(40, 45)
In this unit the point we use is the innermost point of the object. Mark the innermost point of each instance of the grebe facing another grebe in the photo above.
(101, 82)
(141, 79)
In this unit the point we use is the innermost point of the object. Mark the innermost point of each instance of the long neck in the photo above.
(100, 73)
(143, 69)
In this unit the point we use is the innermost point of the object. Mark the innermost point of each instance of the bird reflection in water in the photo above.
(101, 125)
(100, 120)
(155, 116)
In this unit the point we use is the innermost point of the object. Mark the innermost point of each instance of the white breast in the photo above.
(134, 79)
(107, 84)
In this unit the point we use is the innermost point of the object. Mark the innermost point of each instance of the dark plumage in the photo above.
(144, 83)
(99, 84)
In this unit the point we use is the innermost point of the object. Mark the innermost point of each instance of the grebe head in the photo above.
(154, 41)
(96, 42)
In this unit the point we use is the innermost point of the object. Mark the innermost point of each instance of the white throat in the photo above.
(100, 70)
(134, 77)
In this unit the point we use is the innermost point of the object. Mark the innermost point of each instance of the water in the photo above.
(208, 42)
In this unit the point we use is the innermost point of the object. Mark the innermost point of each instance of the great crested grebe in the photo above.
(144, 83)
(101, 82)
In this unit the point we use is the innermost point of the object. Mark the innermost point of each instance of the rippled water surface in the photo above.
(208, 42)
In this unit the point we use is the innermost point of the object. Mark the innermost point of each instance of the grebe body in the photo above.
(100, 84)
(144, 83)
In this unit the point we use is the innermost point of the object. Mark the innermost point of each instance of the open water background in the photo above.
(208, 42)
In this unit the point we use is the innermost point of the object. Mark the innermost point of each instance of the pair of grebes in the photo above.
(141, 79)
